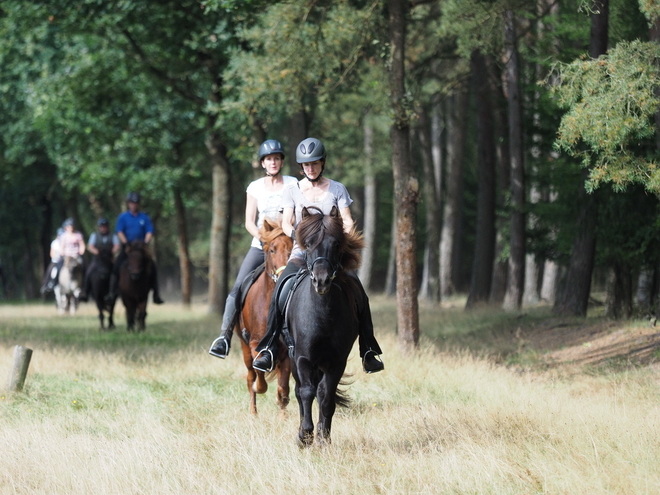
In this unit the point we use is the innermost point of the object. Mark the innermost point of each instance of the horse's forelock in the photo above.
(270, 230)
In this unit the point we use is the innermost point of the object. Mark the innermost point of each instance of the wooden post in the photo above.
(22, 356)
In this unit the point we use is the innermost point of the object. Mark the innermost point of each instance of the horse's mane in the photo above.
(270, 230)
(313, 227)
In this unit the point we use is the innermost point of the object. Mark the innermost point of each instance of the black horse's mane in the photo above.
(314, 226)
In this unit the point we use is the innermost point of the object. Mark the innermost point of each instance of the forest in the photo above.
(503, 149)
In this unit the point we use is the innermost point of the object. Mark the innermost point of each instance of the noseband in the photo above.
(310, 266)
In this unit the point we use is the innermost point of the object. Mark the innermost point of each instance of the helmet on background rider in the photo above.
(311, 150)
(270, 147)
(67, 223)
(103, 221)
(133, 197)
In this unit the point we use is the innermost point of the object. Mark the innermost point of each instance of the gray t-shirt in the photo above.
(292, 197)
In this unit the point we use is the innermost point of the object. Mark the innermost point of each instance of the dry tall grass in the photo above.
(114, 417)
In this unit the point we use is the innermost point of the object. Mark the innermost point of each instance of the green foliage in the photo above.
(611, 104)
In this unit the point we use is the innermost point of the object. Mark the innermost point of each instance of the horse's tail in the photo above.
(341, 396)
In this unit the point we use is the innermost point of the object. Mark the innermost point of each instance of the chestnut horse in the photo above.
(277, 249)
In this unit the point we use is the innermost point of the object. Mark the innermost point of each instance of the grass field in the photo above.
(491, 403)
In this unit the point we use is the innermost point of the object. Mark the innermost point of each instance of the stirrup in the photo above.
(381, 366)
(272, 360)
(215, 342)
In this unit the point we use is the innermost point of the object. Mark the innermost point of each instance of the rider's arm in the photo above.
(81, 245)
(122, 237)
(91, 244)
(347, 219)
(147, 237)
(116, 246)
(287, 220)
(251, 216)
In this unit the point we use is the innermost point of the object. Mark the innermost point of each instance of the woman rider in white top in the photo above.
(323, 193)
(263, 200)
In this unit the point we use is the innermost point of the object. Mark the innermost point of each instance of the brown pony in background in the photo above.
(277, 248)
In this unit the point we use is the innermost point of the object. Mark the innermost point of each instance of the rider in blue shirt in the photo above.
(133, 225)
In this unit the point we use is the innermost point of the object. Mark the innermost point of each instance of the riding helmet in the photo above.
(103, 221)
(67, 222)
(133, 197)
(310, 150)
(270, 147)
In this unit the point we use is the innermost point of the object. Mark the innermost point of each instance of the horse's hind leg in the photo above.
(283, 374)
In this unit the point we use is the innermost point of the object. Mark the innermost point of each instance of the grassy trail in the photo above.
(489, 404)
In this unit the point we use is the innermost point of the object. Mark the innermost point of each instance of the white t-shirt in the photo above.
(268, 202)
(55, 248)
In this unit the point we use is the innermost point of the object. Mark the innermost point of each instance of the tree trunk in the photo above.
(619, 292)
(531, 294)
(430, 288)
(453, 214)
(550, 279)
(297, 133)
(484, 250)
(501, 265)
(184, 258)
(370, 205)
(516, 272)
(406, 186)
(574, 297)
(220, 222)
(390, 278)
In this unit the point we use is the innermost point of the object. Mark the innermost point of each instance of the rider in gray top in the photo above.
(323, 193)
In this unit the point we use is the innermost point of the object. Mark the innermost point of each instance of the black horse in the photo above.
(99, 282)
(135, 281)
(323, 318)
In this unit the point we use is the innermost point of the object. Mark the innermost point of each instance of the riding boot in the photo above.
(369, 349)
(154, 285)
(84, 295)
(112, 291)
(268, 346)
(220, 346)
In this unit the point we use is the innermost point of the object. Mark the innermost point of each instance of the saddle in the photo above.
(247, 282)
(287, 289)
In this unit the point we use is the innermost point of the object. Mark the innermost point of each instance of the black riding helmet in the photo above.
(103, 221)
(270, 147)
(133, 197)
(310, 150)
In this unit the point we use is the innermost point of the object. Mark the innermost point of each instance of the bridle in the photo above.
(310, 267)
(275, 274)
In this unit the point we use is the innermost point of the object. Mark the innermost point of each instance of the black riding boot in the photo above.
(220, 346)
(369, 348)
(154, 285)
(112, 291)
(268, 346)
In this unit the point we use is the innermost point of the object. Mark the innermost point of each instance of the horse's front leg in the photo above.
(142, 316)
(326, 399)
(305, 393)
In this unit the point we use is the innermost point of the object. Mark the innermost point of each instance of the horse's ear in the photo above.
(305, 212)
(334, 212)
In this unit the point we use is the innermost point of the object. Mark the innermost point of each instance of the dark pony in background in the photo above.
(277, 248)
(135, 277)
(323, 318)
(99, 281)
